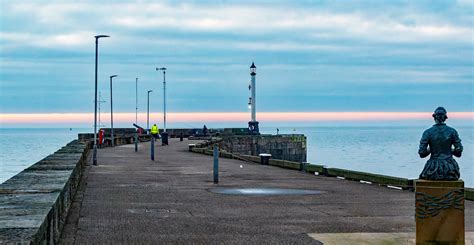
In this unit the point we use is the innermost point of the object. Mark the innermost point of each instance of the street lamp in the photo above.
(94, 158)
(111, 113)
(148, 111)
(164, 96)
(136, 100)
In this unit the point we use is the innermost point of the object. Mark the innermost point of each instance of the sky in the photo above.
(311, 56)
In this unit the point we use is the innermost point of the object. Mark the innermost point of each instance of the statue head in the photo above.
(440, 115)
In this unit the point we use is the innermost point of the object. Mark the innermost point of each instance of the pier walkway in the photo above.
(130, 199)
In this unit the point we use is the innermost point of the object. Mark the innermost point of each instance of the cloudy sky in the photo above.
(311, 56)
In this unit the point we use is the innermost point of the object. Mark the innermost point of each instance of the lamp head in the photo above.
(149, 91)
(161, 69)
(113, 76)
(99, 36)
(253, 69)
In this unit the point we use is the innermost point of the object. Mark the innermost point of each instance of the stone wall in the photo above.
(129, 133)
(34, 203)
(119, 139)
(291, 147)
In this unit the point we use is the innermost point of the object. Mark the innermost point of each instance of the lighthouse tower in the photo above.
(253, 124)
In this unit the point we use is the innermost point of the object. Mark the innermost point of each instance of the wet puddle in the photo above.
(263, 191)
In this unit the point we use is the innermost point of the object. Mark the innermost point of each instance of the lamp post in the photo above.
(136, 100)
(148, 111)
(111, 114)
(164, 96)
(94, 155)
(253, 124)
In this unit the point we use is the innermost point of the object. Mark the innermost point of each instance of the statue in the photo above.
(439, 141)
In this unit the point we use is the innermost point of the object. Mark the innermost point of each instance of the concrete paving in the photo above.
(130, 199)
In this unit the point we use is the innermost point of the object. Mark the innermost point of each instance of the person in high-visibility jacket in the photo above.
(154, 131)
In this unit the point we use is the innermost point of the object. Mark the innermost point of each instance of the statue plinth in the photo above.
(439, 212)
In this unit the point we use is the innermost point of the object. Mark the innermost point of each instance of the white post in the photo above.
(254, 98)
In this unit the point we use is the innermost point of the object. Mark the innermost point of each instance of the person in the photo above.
(154, 131)
(101, 137)
(441, 142)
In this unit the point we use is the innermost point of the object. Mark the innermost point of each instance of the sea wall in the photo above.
(127, 134)
(34, 203)
(291, 147)
(121, 137)
(320, 170)
(198, 132)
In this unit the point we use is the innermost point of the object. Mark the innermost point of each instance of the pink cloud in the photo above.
(57, 118)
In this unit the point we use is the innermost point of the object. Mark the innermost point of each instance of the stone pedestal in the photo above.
(439, 212)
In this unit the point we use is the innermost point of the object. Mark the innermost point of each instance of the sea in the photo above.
(383, 150)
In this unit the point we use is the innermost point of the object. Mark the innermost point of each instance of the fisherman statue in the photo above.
(442, 142)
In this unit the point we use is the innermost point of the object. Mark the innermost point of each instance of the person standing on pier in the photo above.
(154, 131)
(442, 142)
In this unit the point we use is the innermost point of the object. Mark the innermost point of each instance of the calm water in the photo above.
(20, 148)
(384, 150)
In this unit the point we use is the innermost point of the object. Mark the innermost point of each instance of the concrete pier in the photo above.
(130, 199)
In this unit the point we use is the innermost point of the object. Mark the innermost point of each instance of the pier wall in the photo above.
(198, 132)
(320, 170)
(121, 138)
(34, 203)
(291, 147)
(128, 133)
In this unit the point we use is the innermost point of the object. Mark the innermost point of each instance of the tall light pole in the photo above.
(111, 113)
(148, 111)
(253, 124)
(136, 100)
(164, 96)
(94, 155)
(100, 101)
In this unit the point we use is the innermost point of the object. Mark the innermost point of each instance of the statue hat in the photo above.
(440, 111)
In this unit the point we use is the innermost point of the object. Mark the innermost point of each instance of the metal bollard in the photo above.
(152, 150)
(216, 164)
(94, 155)
(136, 142)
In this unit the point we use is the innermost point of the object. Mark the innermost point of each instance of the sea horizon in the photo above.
(352, 147)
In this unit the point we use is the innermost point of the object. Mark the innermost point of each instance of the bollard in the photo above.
(136, 142)
(152, 150)
(216, 164)
(164, 138)
(181, 137)
(264, 158)
(94, 155)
